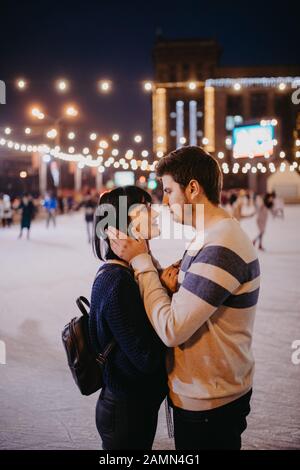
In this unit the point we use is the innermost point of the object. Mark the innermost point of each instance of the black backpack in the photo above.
(85, 363)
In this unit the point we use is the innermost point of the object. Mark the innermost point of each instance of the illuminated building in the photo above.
(196, 101)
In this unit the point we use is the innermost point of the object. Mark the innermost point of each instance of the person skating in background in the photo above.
(6, 211)
(61, 204)
(1, 208)
(263, 205)
(50, 204)
(27, 213)
(278, 206)
(89, 204)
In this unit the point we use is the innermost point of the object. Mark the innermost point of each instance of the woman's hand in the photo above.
(169, 277)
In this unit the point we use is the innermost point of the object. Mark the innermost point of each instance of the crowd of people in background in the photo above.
(245, 203)
(240, 203)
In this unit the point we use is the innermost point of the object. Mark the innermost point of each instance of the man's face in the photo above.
(175, 198)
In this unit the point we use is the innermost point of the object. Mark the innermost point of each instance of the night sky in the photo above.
(44, 40)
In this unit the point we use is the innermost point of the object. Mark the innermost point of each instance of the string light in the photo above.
(51, 134)
(103, 144)
(71, 135)
(192, 85)
(104, 86)
(138, 138)
(148, 86)
(93, 136)
(87, 159)
(62, 85)
(251, 82)
(71, 111)
(21, 84)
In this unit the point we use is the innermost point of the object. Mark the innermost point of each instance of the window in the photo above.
(172, 73)
(258, 104)
(199, 71)
(185, 71)
(234, 105)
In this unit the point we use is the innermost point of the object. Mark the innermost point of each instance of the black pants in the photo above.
(219, 428)
(127, 423)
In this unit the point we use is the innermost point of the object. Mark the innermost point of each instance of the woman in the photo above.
(262, 217)
(134, 374)
(89, 205)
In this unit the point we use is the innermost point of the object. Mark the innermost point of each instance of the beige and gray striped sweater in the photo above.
(208, 323)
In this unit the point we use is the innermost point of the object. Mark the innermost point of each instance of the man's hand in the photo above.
(125, 247)
(169, 277)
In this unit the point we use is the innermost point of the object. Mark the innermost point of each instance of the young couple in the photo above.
(194, 345)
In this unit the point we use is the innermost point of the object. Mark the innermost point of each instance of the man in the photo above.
(50, 205)
(208, 323)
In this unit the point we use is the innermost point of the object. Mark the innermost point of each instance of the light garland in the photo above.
(88, 160)
(80, 158)
(71, 135)
(237, 83)
(105, 86)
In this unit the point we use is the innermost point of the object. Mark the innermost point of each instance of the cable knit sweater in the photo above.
(136, 365)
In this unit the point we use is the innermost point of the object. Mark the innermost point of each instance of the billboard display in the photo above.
(253, 140)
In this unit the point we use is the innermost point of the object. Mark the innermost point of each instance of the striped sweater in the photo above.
(208, 323)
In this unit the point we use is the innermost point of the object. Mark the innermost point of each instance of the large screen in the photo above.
(124, 178)
(253, 140)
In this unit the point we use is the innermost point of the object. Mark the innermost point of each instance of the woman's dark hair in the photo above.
(193, 163)
(134, 195)
(268, 200)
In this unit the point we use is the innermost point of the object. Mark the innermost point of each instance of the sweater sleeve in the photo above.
(132, 332)
(209, 281)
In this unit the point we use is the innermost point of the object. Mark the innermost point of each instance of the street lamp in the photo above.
(21, 84)
(104, 85)
(37, 113)
(52, 133)
(62, 85)
(71, 111)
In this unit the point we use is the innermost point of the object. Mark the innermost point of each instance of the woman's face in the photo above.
(144, 223)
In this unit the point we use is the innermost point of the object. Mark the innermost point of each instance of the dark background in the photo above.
(87, 41)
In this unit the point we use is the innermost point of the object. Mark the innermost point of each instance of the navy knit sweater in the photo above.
(136, 365)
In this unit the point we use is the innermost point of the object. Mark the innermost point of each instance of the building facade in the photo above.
(196, 101)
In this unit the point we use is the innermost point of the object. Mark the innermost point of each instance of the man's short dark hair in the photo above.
(193, 163)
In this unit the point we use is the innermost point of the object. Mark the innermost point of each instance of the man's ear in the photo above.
(194, 190)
